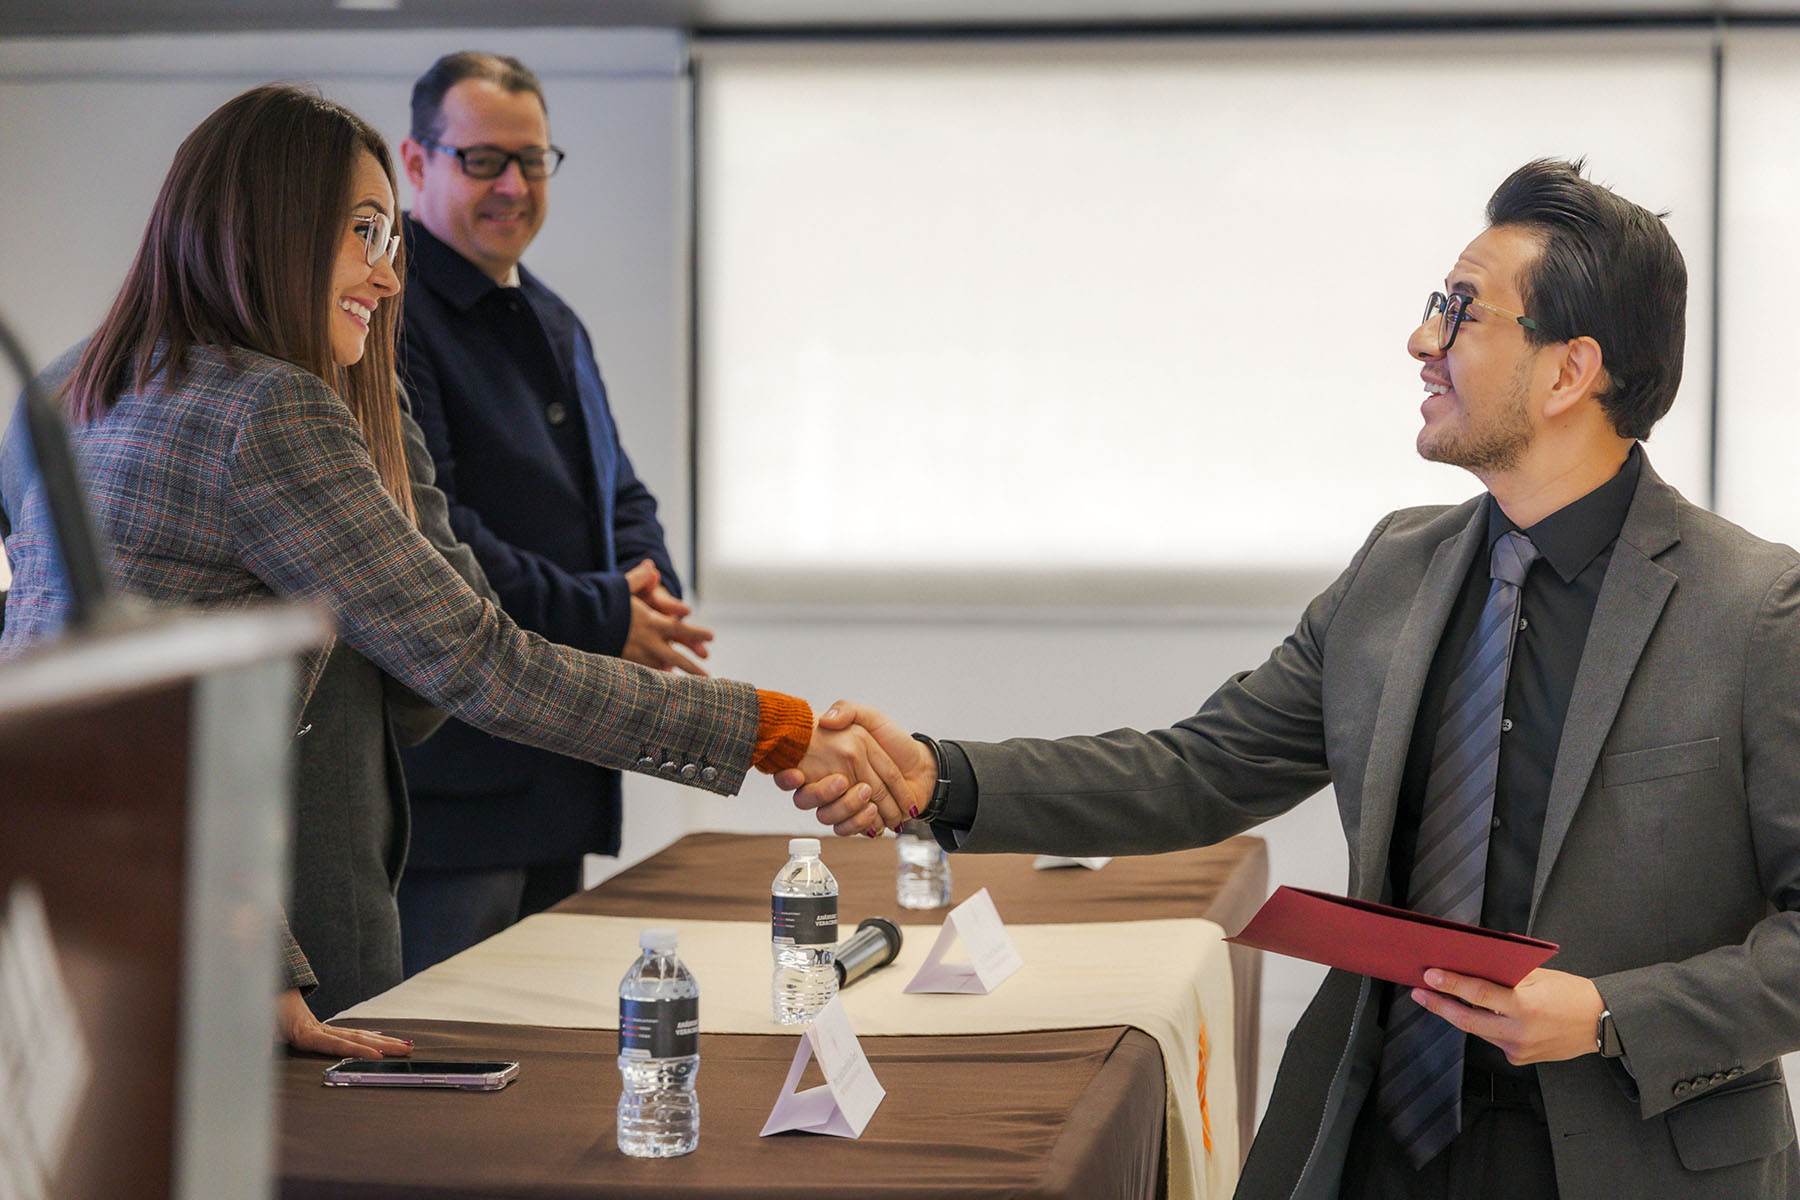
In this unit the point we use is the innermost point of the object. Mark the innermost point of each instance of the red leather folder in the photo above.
(1389, 943)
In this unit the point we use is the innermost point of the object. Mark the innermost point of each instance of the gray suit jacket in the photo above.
(1670, 864)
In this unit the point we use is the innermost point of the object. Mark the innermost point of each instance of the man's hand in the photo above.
(841, 802)
(305, 1032)
(658, 625)
(1549, 1017)
(645, 582)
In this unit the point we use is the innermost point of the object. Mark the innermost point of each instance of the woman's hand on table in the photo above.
(306, 1033)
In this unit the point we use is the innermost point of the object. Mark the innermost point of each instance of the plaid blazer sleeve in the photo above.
(296, 971)
(307, 514)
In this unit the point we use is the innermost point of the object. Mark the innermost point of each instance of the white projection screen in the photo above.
(1759, 188)
(1121, 322)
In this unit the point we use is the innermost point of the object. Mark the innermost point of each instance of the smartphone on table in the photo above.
(483, 1076)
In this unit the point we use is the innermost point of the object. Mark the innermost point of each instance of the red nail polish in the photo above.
(913, 809)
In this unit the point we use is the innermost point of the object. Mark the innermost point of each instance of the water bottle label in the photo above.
(803, 920)
(659, 1028)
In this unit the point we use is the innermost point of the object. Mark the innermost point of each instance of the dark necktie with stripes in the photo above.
(1419, 1087)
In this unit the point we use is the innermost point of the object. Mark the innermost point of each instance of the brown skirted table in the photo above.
(1060, 1113)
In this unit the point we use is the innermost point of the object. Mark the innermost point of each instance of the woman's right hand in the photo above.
(309, 1035)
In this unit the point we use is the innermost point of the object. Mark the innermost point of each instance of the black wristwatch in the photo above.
(940, 791)
(1606, 1037)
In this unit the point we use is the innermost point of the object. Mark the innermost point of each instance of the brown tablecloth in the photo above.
(1064, 1113)
(726, 876)
(1071, 1114)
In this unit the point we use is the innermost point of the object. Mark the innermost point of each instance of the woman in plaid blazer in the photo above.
(238, 429)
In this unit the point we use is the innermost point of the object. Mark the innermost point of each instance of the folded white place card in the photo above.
(843, 1104)
(992, 956)
(1045, 862)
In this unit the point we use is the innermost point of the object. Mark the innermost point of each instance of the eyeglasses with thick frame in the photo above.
(1453, 310)
(490, 162)
(379, 239)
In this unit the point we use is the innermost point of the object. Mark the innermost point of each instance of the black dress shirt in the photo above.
(1556, 608)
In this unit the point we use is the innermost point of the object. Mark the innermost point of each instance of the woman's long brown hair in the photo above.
(240, 251)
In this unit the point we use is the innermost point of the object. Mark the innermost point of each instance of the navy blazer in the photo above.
(505, 386)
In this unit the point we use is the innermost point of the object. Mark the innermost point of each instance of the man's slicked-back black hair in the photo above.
(1608, 270)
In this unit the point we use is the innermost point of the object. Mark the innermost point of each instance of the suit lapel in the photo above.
(1398, 708)
(1631, 602)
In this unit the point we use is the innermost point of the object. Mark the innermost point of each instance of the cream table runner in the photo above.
(1170, 978)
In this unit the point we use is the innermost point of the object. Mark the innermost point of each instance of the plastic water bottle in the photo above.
(924, 878)
(659, 1052)
(803, 934)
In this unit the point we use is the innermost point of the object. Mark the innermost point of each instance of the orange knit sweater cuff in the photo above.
(784, 727)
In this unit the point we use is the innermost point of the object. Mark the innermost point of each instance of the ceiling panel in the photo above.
(57, 18)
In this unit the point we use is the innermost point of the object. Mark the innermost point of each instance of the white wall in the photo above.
(1759, 423)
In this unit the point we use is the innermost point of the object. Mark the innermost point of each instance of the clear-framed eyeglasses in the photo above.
(1447, 313)
(490, 162)
(379, 239)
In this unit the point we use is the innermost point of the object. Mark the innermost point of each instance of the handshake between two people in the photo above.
(862, 773)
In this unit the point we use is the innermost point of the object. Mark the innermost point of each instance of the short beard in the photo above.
(1497, 446)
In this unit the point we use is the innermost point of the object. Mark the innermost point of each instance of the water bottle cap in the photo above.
(660, 941)
(803, 848)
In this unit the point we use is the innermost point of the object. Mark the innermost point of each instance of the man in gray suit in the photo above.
(1569, 707)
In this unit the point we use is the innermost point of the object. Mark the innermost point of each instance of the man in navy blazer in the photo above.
(506, 388)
